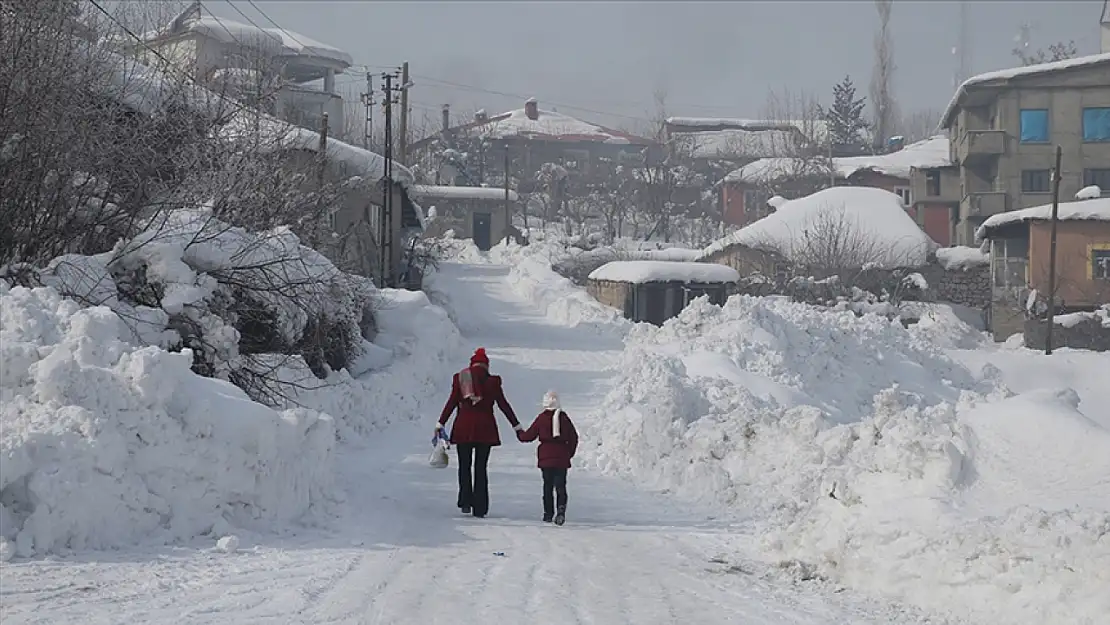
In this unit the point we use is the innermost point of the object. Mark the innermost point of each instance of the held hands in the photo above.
(519, 433)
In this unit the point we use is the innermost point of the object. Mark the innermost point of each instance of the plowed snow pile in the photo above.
(104, 443)
(867, 456)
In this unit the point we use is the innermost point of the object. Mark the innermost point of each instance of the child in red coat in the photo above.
(558, 442)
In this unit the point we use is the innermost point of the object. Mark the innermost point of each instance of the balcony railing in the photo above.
(985, 203)
(978, 144)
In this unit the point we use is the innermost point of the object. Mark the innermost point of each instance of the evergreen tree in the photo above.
(845, 116)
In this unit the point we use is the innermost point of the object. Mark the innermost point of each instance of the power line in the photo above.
(245, 16)
(276, 25)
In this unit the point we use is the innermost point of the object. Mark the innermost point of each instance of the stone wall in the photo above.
(965, 286)
(609, 293)
(1088, 334)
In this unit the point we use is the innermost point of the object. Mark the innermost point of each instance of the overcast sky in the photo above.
(602, 61)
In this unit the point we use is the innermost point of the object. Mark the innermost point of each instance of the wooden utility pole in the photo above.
(403, 143)
(508, 209)
(368, 102)
(385, 231)
(1052, 255)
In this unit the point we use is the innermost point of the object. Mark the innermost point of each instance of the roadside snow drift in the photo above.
(868, 457)
(105, 443)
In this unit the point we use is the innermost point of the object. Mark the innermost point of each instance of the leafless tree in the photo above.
(882, 78)
(833, 242)
(918, 125)
(101, 153)
(1059, 51)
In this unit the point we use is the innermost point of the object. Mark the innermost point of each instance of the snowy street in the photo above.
(400, 552)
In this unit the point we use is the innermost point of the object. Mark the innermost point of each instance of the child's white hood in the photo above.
(550, 401)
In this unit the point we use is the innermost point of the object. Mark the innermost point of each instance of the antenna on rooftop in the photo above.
(962, 51)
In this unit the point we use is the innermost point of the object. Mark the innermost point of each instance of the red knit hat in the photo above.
(479, 357)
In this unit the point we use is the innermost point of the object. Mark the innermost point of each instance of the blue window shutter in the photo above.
(1096, 124)
(1034, 126)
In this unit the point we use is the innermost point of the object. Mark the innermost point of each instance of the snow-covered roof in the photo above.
(641, 271)
(555, 126)
(961, 257)
(463, 193)
(275, 134)
(277, 41)
(1093, 210)
(149, 91)
(1017, 72)
(814, 129)
(932, 152)
(732, 143)
(873, 214)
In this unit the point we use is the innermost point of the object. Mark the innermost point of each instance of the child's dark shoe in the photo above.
(561, 516)
(547, 518)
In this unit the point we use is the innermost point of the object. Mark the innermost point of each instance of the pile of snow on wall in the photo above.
(106, 443)
(853, 442)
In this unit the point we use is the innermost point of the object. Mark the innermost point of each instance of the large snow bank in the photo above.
(107, 443)
(1094, 210)
(640, 271)
(868, 457)
(417, 345)
(873, 220)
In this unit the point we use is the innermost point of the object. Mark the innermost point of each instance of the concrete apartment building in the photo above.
(1004, 128)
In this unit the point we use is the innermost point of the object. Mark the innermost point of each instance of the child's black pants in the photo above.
(554, 490)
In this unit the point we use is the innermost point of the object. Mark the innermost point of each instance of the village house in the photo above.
(1004, 128)
(739, 141)
(533, 138)
(657, 290)
(482, 214)
(1019, 253)
(359, 216)
(745, 191)
(871, 226)
(283, 73)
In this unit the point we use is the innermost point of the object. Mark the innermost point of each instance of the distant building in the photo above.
(482, 214)
(1020, 246)
(534, 137)
(1004, 127)
(745, 191)
(279, 71)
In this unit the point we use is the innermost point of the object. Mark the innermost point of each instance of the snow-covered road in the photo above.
(401, 553)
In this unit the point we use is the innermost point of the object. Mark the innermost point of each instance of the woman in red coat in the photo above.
(474, 391)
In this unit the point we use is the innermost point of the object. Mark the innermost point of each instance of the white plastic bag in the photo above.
(439, 458)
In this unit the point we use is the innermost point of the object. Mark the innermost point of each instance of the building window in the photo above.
(1099, 177)
(932, 183)
(755, 204)
(1096, 124)
(904, 193)
(1034, 125)
(1036, 181)
(1100, 262)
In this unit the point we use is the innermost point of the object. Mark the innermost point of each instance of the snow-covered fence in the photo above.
(1079, 330)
